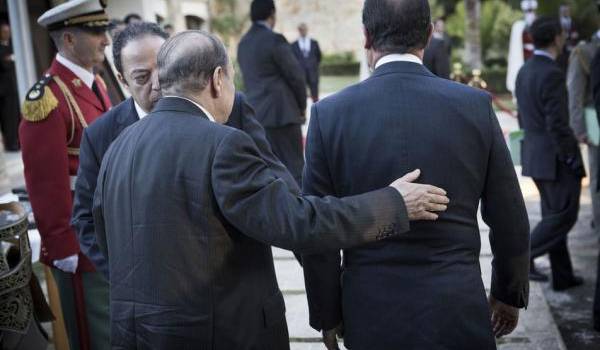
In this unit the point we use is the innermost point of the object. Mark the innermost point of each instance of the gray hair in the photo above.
(187, 61)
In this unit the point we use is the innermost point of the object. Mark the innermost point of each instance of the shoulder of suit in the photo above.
(40, 100)
(281, 38)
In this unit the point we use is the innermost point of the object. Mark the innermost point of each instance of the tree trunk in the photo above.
(473, 34)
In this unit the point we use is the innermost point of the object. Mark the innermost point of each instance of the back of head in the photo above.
(133, 32)
(397, 26)
(132, 18)
(261, 10)
(544, 31)
(187, 61)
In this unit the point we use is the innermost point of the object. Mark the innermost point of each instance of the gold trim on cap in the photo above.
(100, 19)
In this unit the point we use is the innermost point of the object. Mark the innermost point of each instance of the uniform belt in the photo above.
(73, 180)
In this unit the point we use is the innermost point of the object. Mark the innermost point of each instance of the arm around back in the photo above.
(262, 207)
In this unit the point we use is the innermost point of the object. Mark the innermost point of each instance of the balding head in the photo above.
(187, 61)
(194, 64)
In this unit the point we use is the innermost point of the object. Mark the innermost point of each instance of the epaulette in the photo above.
(40, 101)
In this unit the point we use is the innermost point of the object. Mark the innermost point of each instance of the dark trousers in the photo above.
(10, 117)
(597, 298)
(288, 146)
(96, 305)
(560, 206)
(312, 80)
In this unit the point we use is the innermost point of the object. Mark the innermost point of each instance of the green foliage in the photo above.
(585, 14)
(225, 20)
(497, 18)
(342, 57)
(340, 64)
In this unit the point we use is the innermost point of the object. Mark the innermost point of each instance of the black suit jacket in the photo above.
(541, 93)
(595, 77)
(8, 78)
(437, 58)
(273, 79)
(310, 64)
(99, 136)
(422, 290)
(186, 209)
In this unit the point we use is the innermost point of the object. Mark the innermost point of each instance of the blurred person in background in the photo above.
(308, 53)
(10, 115)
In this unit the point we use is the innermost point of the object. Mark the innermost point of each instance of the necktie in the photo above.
(98, 94)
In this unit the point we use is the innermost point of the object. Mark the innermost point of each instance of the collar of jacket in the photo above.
(175, 104)
(402, 67)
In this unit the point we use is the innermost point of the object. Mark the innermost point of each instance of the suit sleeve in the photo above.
(322, 272)
(257, 133)
(44, 152)
(291, 71)
(83, 221)
(319, 54)
(503, 202)
(595, 73)
(577, 81)
(555, 100)
(442, 62)
(262, 207)
(98, 213)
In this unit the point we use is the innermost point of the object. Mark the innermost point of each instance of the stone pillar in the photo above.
(22, 45)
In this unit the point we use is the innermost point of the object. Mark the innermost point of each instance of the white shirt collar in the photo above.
(396, 57)
(208, 115)
(85, 75)
(139, 110)
(543, 53)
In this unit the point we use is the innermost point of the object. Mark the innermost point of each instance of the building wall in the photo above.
(336, 24)
(172, 11)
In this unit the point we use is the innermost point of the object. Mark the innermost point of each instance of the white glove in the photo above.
(68, 264)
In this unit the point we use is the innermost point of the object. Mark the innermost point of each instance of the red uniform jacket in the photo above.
(50, 134)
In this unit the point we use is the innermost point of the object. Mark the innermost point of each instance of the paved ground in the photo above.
(572, 310)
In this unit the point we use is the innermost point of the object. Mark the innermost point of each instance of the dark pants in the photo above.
(96, 305)
(288, 146)
(10, 117)
(597, 297)
(560, 206)
(312, 80)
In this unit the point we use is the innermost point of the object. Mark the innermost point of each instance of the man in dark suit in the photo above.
(308, 53)
(275, 86)
(186, 209)
(595, 81)
(9, 98)
(550, 152)
(437, 58)
(135, 54)
(422, 290)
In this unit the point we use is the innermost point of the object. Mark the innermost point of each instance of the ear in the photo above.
(68, 38)
(368, 39)
(217, 83)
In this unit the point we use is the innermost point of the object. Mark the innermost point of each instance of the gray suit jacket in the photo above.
(186, 210)
(578, 83)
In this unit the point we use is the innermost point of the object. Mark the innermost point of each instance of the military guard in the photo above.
(57, 109)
